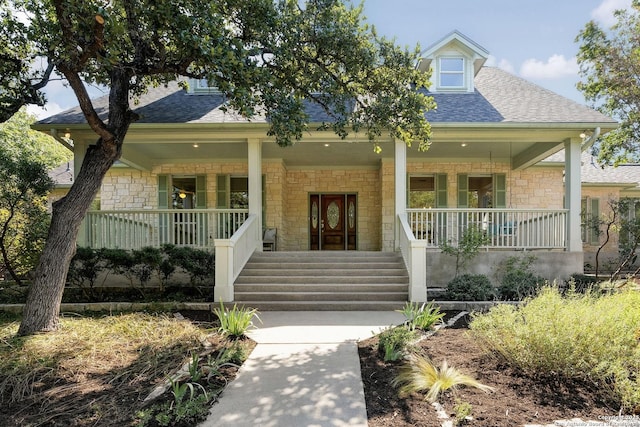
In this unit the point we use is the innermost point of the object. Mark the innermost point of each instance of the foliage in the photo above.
(420, 374)
(143, 264)
(394, 343)
(518, 281)
(421, 316)
(472, 239)
(470, 287)
(24, 185)
(587, 336)
(608, 66)
(235, 322)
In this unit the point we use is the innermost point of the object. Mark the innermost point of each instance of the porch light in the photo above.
(182, 195)
(464, 144)
(67, 134)
(326, 145)
(195, 145)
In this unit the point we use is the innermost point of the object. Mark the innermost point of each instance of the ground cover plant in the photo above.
(588, 337)
(98, 370)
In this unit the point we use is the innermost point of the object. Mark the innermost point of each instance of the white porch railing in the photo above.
(231, 256)
(414, 254)
(134, 229)
(505, 228)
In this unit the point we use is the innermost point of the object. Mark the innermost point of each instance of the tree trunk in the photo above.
(45, 295)
(42, 307)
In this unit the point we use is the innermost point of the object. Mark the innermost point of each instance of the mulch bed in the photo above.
(517, 399)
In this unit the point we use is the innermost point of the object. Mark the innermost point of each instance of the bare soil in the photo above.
(517, 399)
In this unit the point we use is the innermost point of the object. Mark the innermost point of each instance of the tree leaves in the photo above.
(610, 68)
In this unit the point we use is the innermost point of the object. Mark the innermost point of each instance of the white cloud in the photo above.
(49, 109)
(503, 64)
(604, 12)
(557, 66)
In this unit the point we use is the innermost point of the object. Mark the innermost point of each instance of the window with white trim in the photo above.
(451, 71)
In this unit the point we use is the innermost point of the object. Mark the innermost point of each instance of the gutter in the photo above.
(588, 143)
(60, 139)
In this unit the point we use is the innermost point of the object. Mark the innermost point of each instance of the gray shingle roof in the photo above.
(592, 173)
(499, 97)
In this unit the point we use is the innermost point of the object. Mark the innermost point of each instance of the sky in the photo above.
(533, 39)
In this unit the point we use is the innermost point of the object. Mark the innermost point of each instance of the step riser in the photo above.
(324, 306)
(304, 280)
(323, 272)
(319, 296)
(322, 266)
(300, 289)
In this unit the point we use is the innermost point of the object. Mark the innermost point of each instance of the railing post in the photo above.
(223, 289)
(418, 273)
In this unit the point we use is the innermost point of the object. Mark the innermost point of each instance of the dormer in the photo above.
(201, 87)
(454, 60)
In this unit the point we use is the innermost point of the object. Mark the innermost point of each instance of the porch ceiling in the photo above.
(520, 145)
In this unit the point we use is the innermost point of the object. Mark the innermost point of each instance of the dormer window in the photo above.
(201, 87)
(451, 72)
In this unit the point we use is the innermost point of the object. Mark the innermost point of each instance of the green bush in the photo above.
(235, 322)
(470, 287)
(518, 281)
(585, 336)
(394, 343)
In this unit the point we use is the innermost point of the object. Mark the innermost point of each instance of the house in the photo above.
(192, 174)
(602, 185)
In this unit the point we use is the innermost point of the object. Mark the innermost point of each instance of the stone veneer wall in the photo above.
(536, 187)
(301, 182)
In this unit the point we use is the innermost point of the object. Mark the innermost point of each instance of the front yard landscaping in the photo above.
(556, 357)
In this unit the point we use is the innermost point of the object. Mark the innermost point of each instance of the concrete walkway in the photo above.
(305, 371)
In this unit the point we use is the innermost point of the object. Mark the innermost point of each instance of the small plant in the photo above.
(462, 412)
(420, 374)
(235, 322)
(394, 343)
(421, 316)
(472, 239)
(194, 367)
(470, 287)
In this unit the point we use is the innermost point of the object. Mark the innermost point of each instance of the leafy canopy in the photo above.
(611, 81)
(267, 57)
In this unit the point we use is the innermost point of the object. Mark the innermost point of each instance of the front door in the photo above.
(332, 221)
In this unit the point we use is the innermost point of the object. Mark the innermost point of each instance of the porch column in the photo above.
(400, 183)
(572, 192)
(255, 183)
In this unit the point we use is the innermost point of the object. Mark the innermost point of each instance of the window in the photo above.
(239, 192)
(427, 191)
(451, 72)
(201, 87)
(482, 191)
(182, 192)
(589, 220)
(629, 224)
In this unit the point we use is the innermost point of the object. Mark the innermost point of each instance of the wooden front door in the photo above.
(332, 221)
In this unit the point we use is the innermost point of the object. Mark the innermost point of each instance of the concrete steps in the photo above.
(323, 280)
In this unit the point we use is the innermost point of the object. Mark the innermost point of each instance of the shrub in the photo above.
(421, 316)
(394, 343)
(470, 287)
(420, 374)
(585, 336)
(518, 281)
